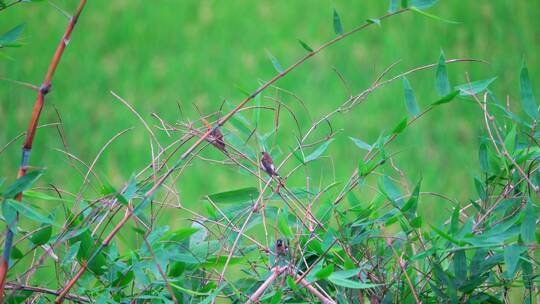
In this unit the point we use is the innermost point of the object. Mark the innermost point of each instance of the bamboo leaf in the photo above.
(319, 151)
(410, 100)
(361, 144)
(235, 196)
(474, 87)
(338, 28)
(527, 96)
(434, 17)
(325, 272)
(443, 84)
(393, 6)
(11, 35)
(27, 211)
(374, 21)
(446, 99)
(528, 226)
(22, 183)
(275, 62)
(305, 46)
(400, 126)
(423, 4)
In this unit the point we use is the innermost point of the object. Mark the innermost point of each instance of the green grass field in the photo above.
(156, 54)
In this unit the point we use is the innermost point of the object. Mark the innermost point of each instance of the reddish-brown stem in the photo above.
(254, 298)
(31, 132)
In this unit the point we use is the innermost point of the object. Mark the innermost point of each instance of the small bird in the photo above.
(268, 164)
(281, 247)
(216, 138)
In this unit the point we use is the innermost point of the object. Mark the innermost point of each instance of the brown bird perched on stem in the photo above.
(216, 138)
(268, 164)
(281, 247)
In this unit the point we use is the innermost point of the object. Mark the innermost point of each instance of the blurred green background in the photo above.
(156, 54)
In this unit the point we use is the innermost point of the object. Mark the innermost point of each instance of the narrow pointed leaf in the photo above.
(446, 99)
(443, 84)
(235, 196)
(434, 17)
(338, 28)
(393, 6)
(22, 184)
(319, 151)
(474, 87)
(305, 46)
(528, 226)
(400, 126)
(374, 20)
(275, 62)
(527, 97)
(361, 144)
(12, 34)
(29, 212)
(423, 4)
(410, 100)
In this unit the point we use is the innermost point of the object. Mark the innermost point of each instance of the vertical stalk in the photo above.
(31, 132)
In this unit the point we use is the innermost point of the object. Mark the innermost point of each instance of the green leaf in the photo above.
(528, 225)
(283, 224)
(447, 236)
(404, 3)
(291, 284)
(325, 272)
(319, 151)
(460, 265)
(15, 253)
(242, 195)
(443, 84)
(10, 216)
(351, 284)
(42, 236)
(446, 99)
(483, 157)
(413, 200)
(423, 4)
(211, 297)
(345, 274)
(22, 183)
(416, 222)
(257, 110)
(512, 255)
(410, 100)
(277, 297)
(393, 6)
(11, 35)
(421, 12)
(400, 126)
(389, 189)
(338, 28)
(374, 21)
(474, 87)
(305, 46)
(275, 62)
(27, 211)
(527, 96)
(43, 196)
(361, 144)
(140, 207)
(131, 189)
(179, 235)
(199, 236)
